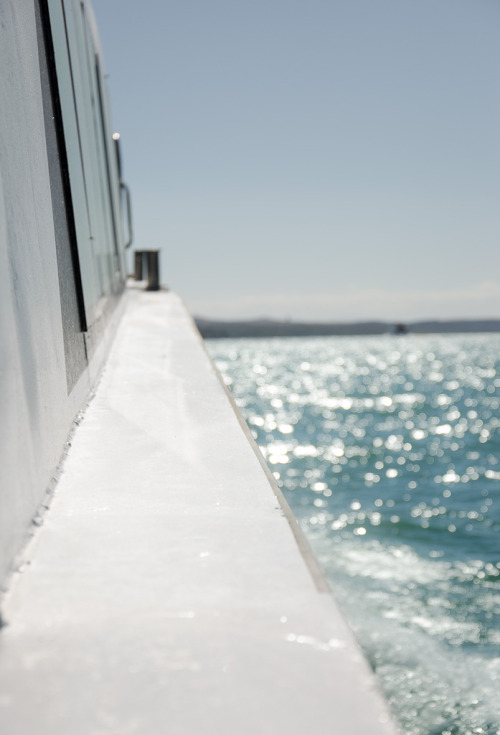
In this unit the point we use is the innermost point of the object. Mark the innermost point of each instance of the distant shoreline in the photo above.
(214, 329)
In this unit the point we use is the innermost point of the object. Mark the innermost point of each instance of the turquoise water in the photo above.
(388, 451)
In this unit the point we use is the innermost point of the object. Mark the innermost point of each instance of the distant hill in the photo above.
(213, 329)
(458, 325)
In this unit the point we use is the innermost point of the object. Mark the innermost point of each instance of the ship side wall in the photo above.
(50, 356)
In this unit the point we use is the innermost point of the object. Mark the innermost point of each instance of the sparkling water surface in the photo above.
(388, 451)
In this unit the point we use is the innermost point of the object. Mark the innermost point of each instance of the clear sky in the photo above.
(313, 159)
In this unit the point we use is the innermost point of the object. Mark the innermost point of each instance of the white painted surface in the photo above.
(36, 413)
(36, 410)
(165, 592)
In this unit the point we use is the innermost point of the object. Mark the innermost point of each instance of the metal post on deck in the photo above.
(138, 265)
(153, 264)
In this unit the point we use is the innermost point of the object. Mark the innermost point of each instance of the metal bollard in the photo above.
(152, 258)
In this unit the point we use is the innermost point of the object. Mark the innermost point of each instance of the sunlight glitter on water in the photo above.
(390, 460)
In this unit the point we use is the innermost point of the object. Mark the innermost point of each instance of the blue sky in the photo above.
(313, 159)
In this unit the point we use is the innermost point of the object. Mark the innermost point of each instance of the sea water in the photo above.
(388, 451)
